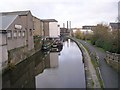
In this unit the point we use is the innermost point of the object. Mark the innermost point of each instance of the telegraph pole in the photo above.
(118, 51)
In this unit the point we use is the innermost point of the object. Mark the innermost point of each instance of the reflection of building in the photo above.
(42, 61)
(20, 77)
(53, 59)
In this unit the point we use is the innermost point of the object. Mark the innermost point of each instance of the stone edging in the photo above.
(89, 76)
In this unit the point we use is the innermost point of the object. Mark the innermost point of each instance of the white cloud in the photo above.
(80, 12)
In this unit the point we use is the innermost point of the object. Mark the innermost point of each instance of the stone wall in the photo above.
(17, 55)
(113, 59)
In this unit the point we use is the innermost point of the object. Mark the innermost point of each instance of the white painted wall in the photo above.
(86, 31)
(58, 31)
(53, 29)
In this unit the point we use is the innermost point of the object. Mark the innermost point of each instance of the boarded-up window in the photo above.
(30, 32)
(15, 34)
(9, 34)
(23, 33)
(19, 34)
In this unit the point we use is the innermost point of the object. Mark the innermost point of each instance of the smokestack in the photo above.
(70, 24)
(67, 24)
(63, 25)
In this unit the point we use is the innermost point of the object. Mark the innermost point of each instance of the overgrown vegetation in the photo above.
(102, 37)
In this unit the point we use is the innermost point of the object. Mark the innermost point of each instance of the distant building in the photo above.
(76, 29)
(38, 27)
(114, 26)
(50, 28)
(87, 29)
(64, 32)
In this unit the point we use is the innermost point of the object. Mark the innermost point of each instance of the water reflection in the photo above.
(54, 59)
(48, 70)
(23, 75)
(69, 73)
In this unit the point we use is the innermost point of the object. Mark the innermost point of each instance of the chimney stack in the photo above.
(63, 25)
(67, 24)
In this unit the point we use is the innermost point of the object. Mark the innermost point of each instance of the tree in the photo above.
(102, 37)
(79, 35)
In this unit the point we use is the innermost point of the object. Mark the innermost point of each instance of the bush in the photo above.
(99, 43)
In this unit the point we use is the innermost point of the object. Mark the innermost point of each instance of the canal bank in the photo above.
(92, 80)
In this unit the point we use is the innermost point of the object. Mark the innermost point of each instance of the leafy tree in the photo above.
(102, 37)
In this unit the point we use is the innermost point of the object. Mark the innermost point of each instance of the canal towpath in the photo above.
(92, 80)
(109, 75)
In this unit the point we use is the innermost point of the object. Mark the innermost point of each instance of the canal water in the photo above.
(63, 69)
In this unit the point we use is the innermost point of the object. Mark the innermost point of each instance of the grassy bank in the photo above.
(94, 61)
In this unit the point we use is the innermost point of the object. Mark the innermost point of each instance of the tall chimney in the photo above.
(70, 24)
(63, 25)
(67, 24)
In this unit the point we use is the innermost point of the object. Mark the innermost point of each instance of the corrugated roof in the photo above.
(49, 20)
(15, 13)
(6, 20)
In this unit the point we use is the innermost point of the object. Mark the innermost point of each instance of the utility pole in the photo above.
(118, 27)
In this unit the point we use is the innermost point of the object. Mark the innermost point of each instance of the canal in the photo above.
(64, 69)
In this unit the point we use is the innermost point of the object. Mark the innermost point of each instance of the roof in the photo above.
(49, 20)
(115, 25)
(6, 20)
(15, 13)
(88, 27)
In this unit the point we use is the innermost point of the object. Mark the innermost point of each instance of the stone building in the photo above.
(19, 34)
(38, 27)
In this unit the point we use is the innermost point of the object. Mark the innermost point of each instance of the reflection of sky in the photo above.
(80, 12)
(69, 73)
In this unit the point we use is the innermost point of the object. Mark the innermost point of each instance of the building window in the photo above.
(19, 34)
(15, 34)
(23, 33)
(30, 32)
(9, 34)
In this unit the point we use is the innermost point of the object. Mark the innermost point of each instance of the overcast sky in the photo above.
(79, 12)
